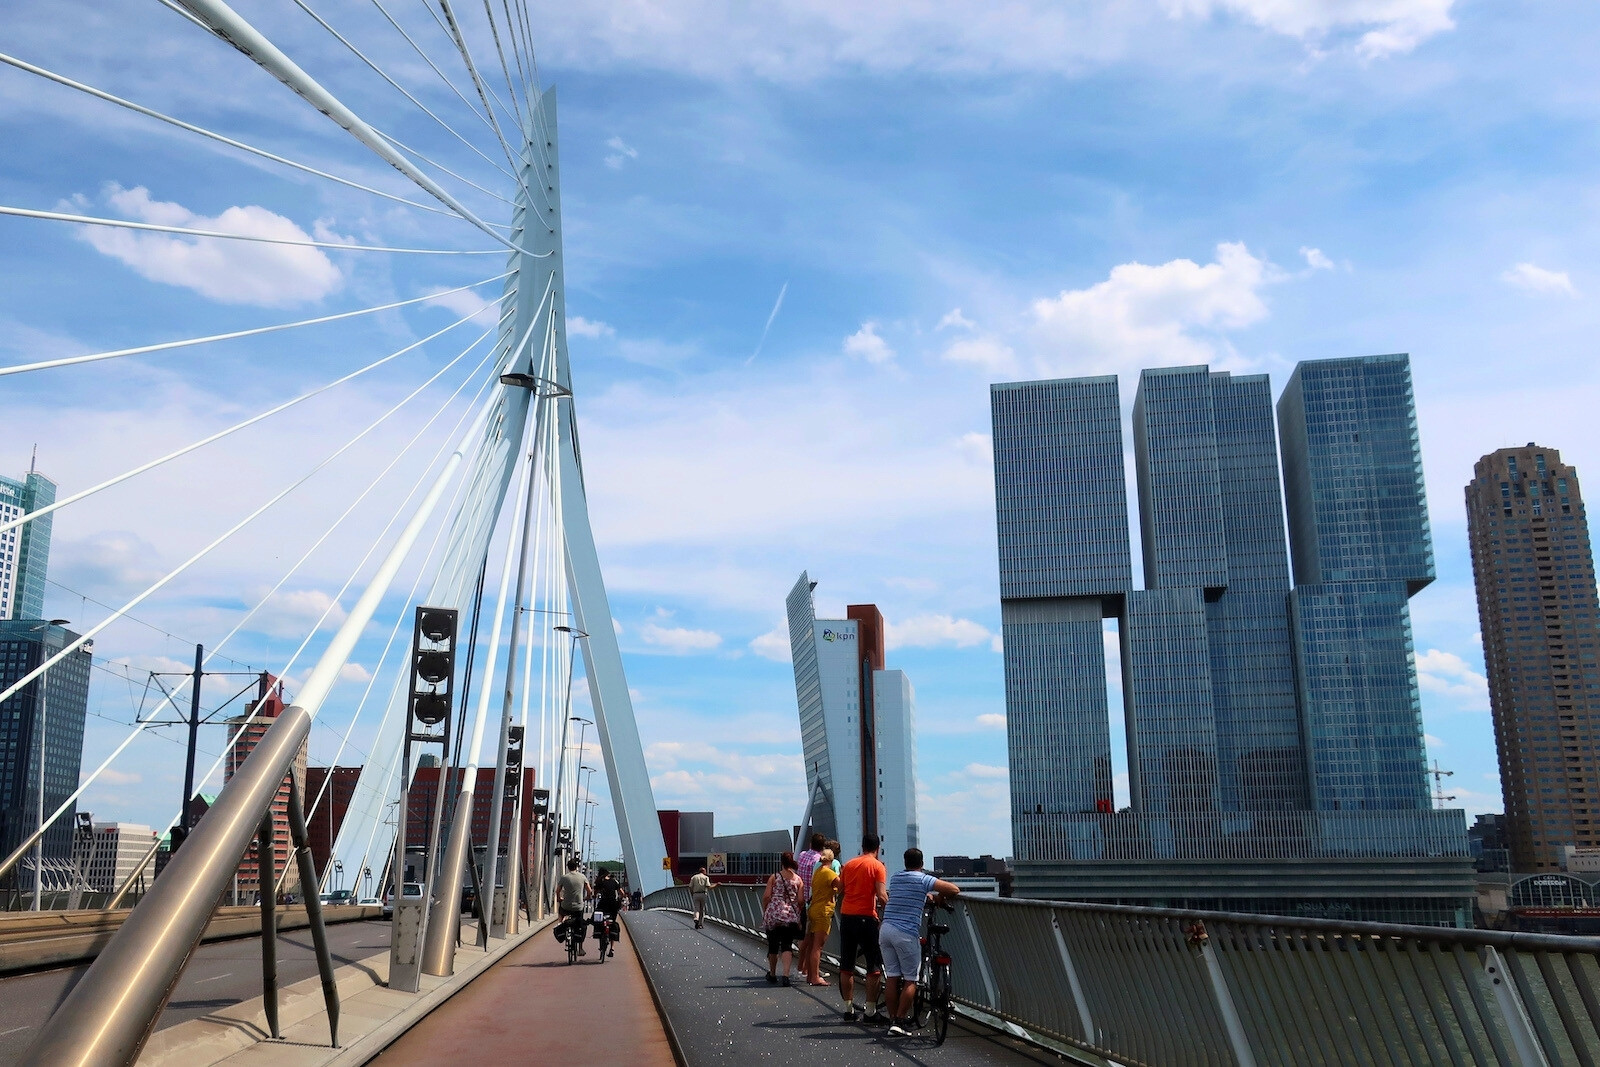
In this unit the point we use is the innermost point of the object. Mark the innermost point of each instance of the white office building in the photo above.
(118, 848)
(857, 727)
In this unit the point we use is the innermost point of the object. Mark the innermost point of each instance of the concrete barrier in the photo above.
(31, 941)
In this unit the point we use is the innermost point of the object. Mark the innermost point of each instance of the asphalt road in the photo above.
(713, 988)
(218, 974)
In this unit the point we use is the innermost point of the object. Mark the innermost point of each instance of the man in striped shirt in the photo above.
(900, 936)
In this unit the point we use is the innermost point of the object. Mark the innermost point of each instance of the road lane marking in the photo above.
(13, 1030)
(218, 978)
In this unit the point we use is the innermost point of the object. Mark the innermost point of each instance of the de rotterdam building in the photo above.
(1275, 758)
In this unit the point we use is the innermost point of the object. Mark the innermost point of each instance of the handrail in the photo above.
(1161, 985)
(111, 1012)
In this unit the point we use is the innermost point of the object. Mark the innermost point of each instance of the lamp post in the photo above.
(580, 813)
(42, 691)
(338, 876)
(588, 826)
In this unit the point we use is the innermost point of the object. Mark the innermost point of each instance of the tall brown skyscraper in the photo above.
(1537, 607)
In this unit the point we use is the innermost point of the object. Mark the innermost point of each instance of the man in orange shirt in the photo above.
(866, 890)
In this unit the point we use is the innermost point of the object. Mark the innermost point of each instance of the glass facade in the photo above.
(60, 715)
(25, 550)
(1059, 488)
(808, 691)
(1266, 722)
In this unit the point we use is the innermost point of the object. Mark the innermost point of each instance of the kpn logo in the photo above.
(838, 635)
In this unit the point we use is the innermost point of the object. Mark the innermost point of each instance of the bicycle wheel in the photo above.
(574, 939)
(919, 1003)
(939, 1002)
(602, 940)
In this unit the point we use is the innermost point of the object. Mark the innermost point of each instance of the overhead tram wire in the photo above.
(134, 619)
(213, 135)
(190, 231)
(385, 76)
(165, 346)
(156, 586)
(73, 498)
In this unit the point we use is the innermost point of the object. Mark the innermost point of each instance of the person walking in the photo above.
(819, 918)
(807, 866)
(699, 886)
(780, 911)
(900, 938)
(863, 889)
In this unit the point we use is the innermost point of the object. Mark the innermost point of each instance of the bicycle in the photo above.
(933, 976)
(576, 929)
(602, 932)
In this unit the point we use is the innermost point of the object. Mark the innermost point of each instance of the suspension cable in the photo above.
(187, 342)
(202, 131)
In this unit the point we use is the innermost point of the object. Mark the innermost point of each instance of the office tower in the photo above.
(857, 725)
(335, 785)
(51, 708)
(1534, 569)
(24, 550)
(246, 731)
(1064, 565)
(1273, 731)
(116, 851)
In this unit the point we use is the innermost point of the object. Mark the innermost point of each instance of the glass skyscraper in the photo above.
(55, 706)
(1274, 732)
(25, 550)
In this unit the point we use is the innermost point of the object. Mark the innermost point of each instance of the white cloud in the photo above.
(955, 320)
(1449, 675)
(113, 561)
(678, 640)
(466, 302)
(354, 672)
(230, 272)
(1143, 316)
(989, 353)
(984, 770)
(1315, 259)
(1433, 742)
(866, 344)
(578, 326)
(292, 613)
(991, 721)
(112, 776)
(621, 152)
(773, 645)
(1539, 280)
(1387, 27)
(935, 631)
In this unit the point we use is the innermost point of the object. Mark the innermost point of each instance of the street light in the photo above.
(338, 876)
(533, 381)
(42, 691)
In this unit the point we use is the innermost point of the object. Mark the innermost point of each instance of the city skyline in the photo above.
(1239, 192)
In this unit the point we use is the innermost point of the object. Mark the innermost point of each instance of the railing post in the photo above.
(266, 857)
(1512, 1010)
(1072, 980)
(1219, 988)
(979, 954)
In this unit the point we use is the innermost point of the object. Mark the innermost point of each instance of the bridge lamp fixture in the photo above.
(533, 382)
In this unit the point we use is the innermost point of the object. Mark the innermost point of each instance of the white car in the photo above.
(411, 890)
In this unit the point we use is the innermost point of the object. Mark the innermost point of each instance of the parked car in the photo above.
(412, 890)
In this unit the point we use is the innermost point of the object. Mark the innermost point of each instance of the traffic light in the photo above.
(433, 665)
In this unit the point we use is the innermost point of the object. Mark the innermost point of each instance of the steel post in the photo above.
(111, 1012)
(301, 840)
(439, 944)
(266, 869)
(184, 819)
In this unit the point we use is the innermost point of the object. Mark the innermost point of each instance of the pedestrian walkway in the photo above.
(533, 1007)
(713, 988)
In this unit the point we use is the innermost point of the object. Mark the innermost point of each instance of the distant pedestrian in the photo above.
(900, 939)
(864, 888)
(699, 887)
(838, 854)
(780, 910)
(819, 919)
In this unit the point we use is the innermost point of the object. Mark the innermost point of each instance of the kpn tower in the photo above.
(1275, 755)
(857, 727)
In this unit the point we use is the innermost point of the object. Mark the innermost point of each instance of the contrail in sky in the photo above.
(765, 329)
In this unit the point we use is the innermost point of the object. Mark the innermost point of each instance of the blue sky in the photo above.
(946, 195)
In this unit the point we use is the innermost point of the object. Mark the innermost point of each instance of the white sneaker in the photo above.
(896, 1030)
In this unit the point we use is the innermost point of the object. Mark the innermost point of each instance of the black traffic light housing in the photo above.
(433, 666)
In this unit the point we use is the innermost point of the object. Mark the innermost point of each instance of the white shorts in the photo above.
(902, 953)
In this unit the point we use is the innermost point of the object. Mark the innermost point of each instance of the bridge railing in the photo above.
(1158, 986)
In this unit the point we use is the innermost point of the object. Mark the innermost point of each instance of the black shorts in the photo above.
(782, 938)
(858, 935)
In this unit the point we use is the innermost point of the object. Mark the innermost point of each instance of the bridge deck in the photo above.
(534, 1007)
(713, 988)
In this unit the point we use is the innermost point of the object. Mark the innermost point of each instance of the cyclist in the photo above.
(572, 889)
(607, 903)
(900, 937)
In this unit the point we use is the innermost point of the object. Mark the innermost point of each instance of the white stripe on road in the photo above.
(218, 978)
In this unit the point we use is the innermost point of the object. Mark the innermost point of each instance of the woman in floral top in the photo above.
(781, 914)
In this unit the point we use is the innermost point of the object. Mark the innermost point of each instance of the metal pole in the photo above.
(133, 977)
(301, 840)
(405, 923)
(266, 868)
(184, 818)
(497, 926)
(44, 723)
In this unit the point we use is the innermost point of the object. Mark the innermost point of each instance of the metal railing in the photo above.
(1162, 987)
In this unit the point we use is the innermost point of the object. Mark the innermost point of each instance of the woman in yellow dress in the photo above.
(819, 916)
